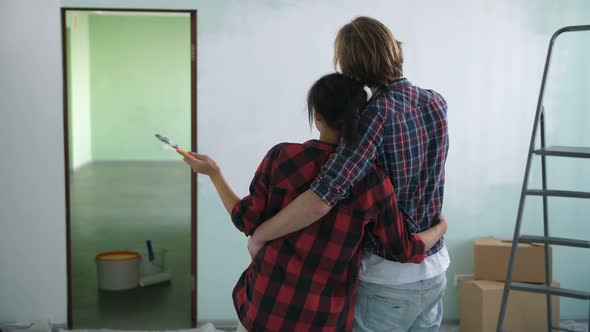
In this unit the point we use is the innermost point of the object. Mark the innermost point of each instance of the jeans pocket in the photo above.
(386, 314)
(431, 316)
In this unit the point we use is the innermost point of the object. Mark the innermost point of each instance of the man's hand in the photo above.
(201, 164)
(434, 233)
(254, 246)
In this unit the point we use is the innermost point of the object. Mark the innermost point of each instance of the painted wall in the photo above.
(32, 213)
(256, 62)
(140, 85)
(79, 89)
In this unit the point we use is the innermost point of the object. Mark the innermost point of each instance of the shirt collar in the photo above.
(393, 85)
(321, 145)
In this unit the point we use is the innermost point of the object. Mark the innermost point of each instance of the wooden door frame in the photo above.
(194, 230)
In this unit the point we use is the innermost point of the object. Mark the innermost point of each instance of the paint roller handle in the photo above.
(150, 250)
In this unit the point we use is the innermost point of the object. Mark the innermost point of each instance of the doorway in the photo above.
(130, 74)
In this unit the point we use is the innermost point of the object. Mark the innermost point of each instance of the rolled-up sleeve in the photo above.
(348, 165)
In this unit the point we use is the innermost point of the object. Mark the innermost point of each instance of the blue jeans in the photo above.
(415, 307)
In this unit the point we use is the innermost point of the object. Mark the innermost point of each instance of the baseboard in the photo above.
(84, 164)
(58, 327)
(450, 321)
(179, 160)
(230, 325)
(225, 325)
(91, 162)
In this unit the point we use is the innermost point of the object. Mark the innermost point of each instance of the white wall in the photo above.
(32, 207)
(255, 63)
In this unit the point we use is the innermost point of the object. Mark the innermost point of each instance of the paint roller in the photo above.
(155, 278)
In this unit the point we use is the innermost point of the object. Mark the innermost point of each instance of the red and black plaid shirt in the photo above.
(307, 280)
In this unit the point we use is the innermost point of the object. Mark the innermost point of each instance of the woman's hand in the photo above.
(202, 164)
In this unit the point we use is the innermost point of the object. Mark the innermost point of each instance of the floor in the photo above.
(118, 206)
(447, 326)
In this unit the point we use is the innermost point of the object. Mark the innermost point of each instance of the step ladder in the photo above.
(546, 240)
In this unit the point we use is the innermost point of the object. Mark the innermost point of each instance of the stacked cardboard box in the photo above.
(481, 296)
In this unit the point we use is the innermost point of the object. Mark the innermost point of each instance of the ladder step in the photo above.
(560, 241)
(544, 289)
(558, 193)
(564, 151)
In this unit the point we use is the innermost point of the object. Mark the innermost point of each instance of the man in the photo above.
(403, 130)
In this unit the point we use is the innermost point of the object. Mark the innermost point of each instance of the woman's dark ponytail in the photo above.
(339, 99)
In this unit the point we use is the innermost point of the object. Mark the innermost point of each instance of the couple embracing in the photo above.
(346, 230)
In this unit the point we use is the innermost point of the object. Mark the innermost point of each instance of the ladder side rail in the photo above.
(548, 274)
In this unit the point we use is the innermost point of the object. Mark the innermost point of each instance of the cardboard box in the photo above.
(480, 308)
(491, 258)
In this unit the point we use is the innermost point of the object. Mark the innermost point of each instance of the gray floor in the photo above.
(118, 206)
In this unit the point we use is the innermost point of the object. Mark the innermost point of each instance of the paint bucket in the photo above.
(118, 270)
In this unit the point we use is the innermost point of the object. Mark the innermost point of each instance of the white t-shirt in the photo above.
(377, 270)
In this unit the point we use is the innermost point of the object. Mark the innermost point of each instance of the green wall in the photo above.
(140, 83)
(79, 89)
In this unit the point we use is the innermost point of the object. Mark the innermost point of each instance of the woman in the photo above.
(307, 281)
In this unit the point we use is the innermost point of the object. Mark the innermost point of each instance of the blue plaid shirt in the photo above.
(403, 130)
